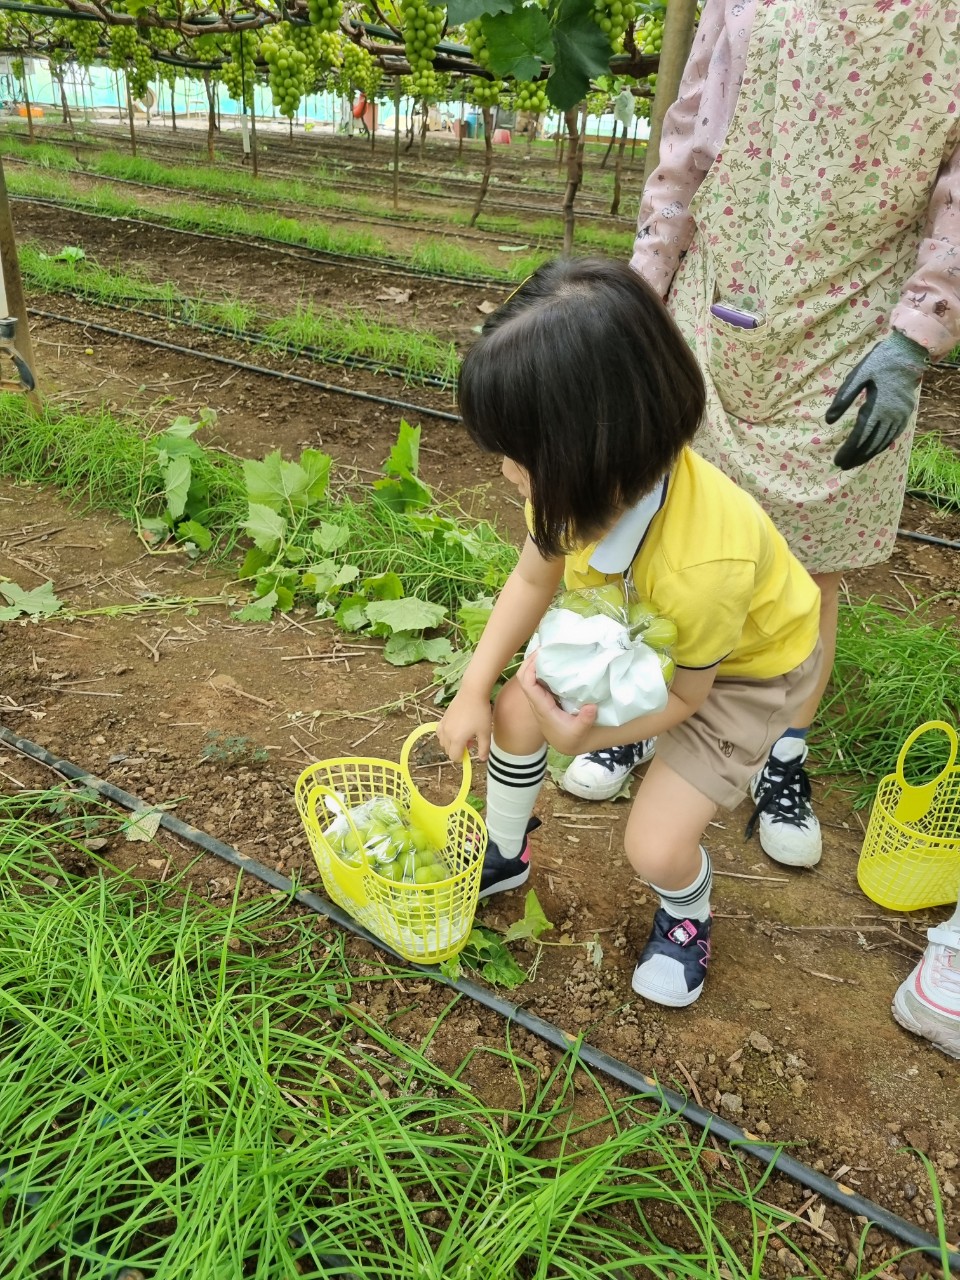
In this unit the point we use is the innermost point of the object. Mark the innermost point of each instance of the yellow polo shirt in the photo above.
(713, 561)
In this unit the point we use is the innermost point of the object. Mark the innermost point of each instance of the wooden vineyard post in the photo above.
(617, 173)
(26, 101)
(396, 146)
(613, 138)
(173, 104)
(574, 173)
(487, 163)
(16, 304)
(463, 97)
(677, 39)
(133, 127)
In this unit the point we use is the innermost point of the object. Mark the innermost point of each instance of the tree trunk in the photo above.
(396, 145)
(423, 132)
(26, 103)
(133, 127)
(487, 163)
(254, 159)
(531, 136)
(613, 138)
(633, 147)
(173, 104)
(211, 117)
(16, 303)
(617, 171)
(460, 133)
(574, 176)
(116, 80)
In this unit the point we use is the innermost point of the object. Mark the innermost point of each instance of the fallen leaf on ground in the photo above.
(392, 294)
(486, 308)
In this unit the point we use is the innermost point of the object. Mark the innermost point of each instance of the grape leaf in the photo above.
(198, 534)
(385, 586)
(326, 576)
(254, 561)
(38, 603)
(276, 483)
(460, 11)
(329, 537)
(352, 614)
(258, 610)
(518, 42)
(404, 457)
(265, 526)
(316, 465)
(407, 647)
(181, 427)
(473, 614)
(407, 614)
(176, 484)
(532, 923)
(582, 51)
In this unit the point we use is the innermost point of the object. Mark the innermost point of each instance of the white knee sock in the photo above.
(693, 902)
(513, 784)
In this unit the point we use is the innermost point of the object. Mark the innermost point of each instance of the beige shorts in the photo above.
(719, 749)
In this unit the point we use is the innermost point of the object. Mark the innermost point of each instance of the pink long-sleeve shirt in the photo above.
(928, 310)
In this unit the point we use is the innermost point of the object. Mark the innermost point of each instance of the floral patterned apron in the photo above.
(810, 220)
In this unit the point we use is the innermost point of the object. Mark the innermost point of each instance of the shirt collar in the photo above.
(617, 550)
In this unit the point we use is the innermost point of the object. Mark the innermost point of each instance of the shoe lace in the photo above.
(624, 757)
(785, 788)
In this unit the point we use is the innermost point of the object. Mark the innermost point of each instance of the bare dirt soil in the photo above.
(793, 1038)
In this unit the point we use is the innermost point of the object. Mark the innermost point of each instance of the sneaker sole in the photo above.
(504, 886)
(679, 1003)
(908, 1020)
(801, 859)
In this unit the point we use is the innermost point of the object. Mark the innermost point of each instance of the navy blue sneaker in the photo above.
(673, 965)
(500, 873)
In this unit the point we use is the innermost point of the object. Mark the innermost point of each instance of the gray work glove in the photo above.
(889, 373)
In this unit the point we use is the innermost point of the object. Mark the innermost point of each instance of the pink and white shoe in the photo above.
(928, 1002)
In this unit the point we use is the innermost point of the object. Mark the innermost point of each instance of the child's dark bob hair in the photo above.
(583, 379)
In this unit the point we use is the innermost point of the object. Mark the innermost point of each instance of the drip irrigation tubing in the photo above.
(436, 381)
(614, 1068)
(386, 266)
(421, 409)
(929, 538)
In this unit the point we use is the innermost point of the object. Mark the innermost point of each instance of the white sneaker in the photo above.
(928, 1002)
(600, 774)
(789, 830)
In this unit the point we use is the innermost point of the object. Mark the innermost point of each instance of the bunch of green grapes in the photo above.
(477, 43)
(485, 93)
(650, 35)
(240, 71)
(325, 14)
(531, 96)
(287, 69)
(613, 17)
(422, 27)
(359, 71)
(84, 39)
(130, 55)
(425, 86)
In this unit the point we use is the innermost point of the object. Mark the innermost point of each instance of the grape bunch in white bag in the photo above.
(606, 646)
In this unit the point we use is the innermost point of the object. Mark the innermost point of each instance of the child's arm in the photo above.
(576, 734)
(521, 604)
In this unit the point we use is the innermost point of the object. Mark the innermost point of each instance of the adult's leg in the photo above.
(829, 584)
(662, 843)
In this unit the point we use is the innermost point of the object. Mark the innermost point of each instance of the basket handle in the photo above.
(318, 790)
(915, 801)
(407, 748)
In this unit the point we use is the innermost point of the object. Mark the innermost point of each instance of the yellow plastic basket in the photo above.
(429, 922)
(911, 852)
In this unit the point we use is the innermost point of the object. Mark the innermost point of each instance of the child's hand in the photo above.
(467, 718)
(571, 735)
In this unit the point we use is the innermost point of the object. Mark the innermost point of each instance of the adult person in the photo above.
(804, 228)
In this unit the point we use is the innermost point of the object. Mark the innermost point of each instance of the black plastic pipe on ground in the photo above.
(615, 1069)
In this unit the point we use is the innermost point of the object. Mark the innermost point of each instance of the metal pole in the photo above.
(677, 38)
(396, 146)
(16, 304)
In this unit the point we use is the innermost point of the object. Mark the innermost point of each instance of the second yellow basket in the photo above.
(429, 922)
(911, 853)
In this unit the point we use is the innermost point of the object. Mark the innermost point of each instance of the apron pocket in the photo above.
(737, 365)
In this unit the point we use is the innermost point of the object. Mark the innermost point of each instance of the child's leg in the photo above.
(662, 842)
(515, 771)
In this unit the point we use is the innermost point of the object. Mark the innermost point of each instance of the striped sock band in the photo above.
(693, 902)
(513, 784)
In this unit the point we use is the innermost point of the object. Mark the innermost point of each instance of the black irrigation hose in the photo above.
(366, 363)
(421, 409)
(928, 537)
(386, 266)
(836, 1192)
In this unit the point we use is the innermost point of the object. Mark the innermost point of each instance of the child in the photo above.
(583, 382)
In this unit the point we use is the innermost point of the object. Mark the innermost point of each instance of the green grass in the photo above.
(444, 257)
(935, 469)
(198, 1091)
(892, 673)
(334, 334)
